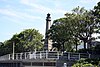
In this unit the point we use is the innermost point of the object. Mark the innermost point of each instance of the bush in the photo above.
(83, 65)
(87, 63)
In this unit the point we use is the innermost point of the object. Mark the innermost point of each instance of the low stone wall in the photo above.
(28, 63)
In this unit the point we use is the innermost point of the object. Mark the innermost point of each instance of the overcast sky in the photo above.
(18, 15)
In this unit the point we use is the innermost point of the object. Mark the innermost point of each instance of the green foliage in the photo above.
(93, 50)
(96, 13)
(92, 61)
(61, 34)
(83, 50)
(75, 27)
(83, 65)
(27, 40)
(87, 63)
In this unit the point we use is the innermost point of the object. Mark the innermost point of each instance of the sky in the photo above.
(18, 15)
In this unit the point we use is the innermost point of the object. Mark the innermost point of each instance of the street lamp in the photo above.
(13, 50)
(35, 47)
(35, 42)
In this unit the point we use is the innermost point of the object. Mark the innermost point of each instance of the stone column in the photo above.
(48, 24)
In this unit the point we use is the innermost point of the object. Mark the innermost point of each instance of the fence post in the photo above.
(89, 55)
(9, 56)
(46, 55)
(68, 55)
(34, 54)
(16, 55)
(20, 55)
(29, 55)
(58, 55)
(25, 55)
(40, 55)
(79, 56)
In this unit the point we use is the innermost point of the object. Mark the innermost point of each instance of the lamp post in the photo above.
(35, 47)
(13, 50)
(35, 42)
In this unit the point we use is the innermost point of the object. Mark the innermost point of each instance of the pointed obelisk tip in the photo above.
(48, 15)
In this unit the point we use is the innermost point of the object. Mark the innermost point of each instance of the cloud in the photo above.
(42, 9)
(9, 13)
(35, 6)
(88, 1)
(4, 0)
(18, 15)
(14, 20)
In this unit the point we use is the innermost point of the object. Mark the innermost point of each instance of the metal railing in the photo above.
(75, 56)
(45, 55)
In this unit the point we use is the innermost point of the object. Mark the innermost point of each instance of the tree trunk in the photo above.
(63, 47)
(76, 47)
(84, 45)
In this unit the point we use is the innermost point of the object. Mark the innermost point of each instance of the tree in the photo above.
(84, 25)
(54, 33)
(61, 33)
(96, 14)
(73, 28)
(27, 40)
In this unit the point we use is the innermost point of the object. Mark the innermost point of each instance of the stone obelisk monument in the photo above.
(47, 42)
